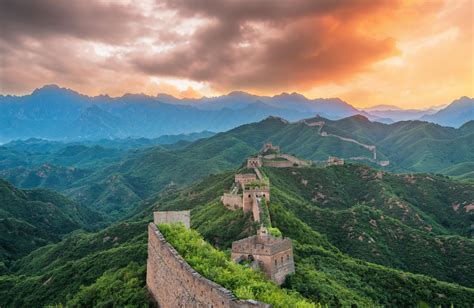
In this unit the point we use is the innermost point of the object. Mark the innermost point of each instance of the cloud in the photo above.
(271, 44)
(94, 20)
(317, 47)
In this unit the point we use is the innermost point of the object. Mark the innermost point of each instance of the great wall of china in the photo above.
(172, 282)
(371, 148)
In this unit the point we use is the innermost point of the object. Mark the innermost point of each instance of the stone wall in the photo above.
(170, 217)
(278, 164)
(173, 283)
(274, 255)
(232, 201)
(256, 208)
(254, 162)
(290, 161)
(249, 195)
(335, 161)
(245, 178)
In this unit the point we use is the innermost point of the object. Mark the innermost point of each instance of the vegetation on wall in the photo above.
(244, 282)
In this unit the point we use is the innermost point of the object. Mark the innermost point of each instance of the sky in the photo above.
(412, 54)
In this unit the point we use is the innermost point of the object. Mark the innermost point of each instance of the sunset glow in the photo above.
(412, 54)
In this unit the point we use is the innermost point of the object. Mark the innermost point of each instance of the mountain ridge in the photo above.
(56, 113)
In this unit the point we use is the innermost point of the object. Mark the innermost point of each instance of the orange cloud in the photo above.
(408, 53)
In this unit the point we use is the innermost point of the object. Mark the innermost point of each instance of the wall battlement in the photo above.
(259, 244)
(274, 255)
(289, 161)
(335, 161)
(232, 201)
(172, 282)
(254, 162)
(245, 178)
(169, 217)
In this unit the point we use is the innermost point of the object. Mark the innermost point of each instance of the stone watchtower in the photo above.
(273, 255)
(254, 162)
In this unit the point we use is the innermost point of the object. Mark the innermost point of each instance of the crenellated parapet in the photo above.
(274, 255)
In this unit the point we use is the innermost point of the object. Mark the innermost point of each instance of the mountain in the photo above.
(402, 114)
(382, 107)
(33, 218)
(116, 180)
(334, 235)
(455, 114)
(62, 114)
(57, 113)
(45, 176)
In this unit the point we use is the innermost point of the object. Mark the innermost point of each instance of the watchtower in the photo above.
(273, 255)
(254, 162)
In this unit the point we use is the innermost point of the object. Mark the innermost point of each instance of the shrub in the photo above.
(215, 265)
(275, 232)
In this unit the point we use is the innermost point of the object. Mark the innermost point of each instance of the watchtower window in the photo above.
(281, 259)
(276, 261)
(287, 257)
(250, 196)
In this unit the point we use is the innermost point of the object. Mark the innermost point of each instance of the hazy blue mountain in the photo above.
(62, 114)
(401, 114)
(56, 113)
(334, 108)
(456, 114)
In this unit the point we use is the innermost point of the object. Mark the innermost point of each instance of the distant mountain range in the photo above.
(57, 113)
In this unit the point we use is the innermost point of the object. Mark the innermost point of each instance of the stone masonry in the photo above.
(172, 282)
(172, 217)
(273, 255)
(254, 162)
(251, 192)
(245, 178)
(335, 161)
(270, 147)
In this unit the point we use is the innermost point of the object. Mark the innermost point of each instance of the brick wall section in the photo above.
(173, 283)
(274, 255)
(258, 173)
(254, 162)
(278, 164)
(245, 178)
(249, 195)
(232, 201)
(291, 160)
(169, 217)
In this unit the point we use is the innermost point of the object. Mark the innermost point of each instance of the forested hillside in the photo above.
(323, 229)
(115, 178)
(33, 218)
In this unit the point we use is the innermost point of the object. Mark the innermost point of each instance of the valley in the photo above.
(357, 231)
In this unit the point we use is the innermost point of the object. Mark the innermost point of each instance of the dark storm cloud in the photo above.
(271, 44)
(80, 19)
